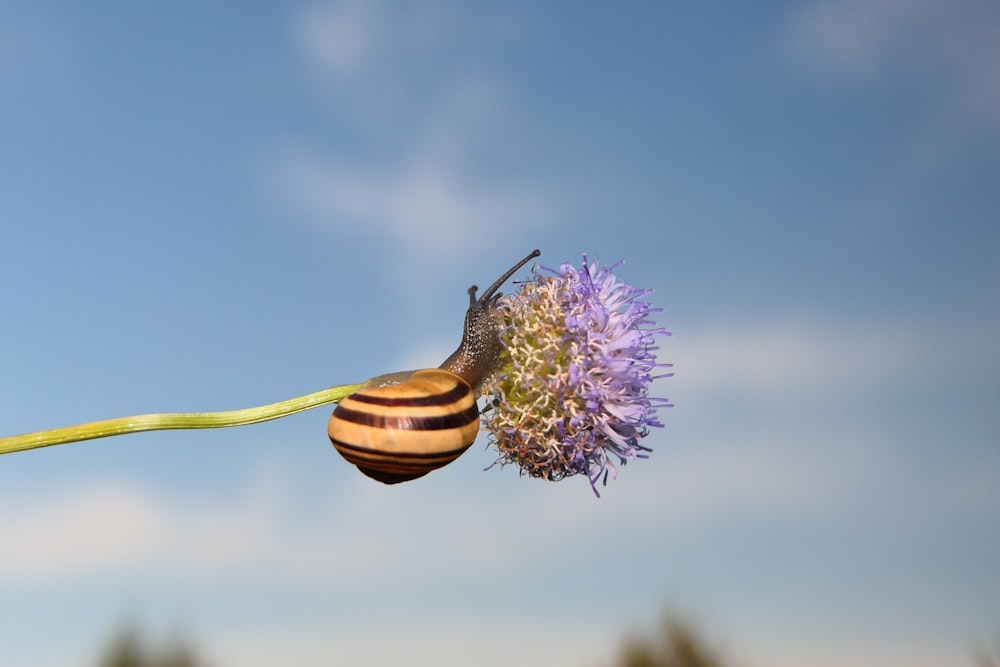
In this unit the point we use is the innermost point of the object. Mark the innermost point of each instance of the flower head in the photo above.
(572, 396)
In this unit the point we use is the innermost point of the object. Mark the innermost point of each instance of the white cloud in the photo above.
(422, 208)
(424, 199)
(117, 527)
(800, 358)
(353, 537)
(956, 42)
(855, 37)
(341, 37)
(350, 38)
(63, 535)
(783, 358)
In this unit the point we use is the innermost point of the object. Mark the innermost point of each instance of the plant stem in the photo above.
(173, 420)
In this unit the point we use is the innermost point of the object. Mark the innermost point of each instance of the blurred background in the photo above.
(207, 206)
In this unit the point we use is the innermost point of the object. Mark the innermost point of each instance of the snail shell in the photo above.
(401, 426)
(401, 432)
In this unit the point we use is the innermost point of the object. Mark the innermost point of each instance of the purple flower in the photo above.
(573, 395)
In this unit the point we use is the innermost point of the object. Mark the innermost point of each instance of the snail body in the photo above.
(401, 426)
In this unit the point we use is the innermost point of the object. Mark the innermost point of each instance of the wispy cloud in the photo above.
(351, 538)
(118, 529)
(341, 37)
(428, 193)
(423, 207)
(789, 358)
(63, 538)
(786, 358)
(953, 43)
(347, 38)
(116, 526)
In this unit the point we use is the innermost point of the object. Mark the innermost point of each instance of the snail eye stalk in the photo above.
(402, 426)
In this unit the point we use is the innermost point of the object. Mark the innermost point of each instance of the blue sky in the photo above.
(211, 207)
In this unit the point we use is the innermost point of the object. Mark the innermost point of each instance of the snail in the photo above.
(401, 426)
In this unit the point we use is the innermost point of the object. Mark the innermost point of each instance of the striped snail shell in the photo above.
(401, 426)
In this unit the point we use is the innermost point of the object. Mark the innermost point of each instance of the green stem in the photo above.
(173, 420)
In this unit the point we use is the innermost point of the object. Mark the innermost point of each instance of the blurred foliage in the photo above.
(128, 649)
(676, 644)
(986, 657)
